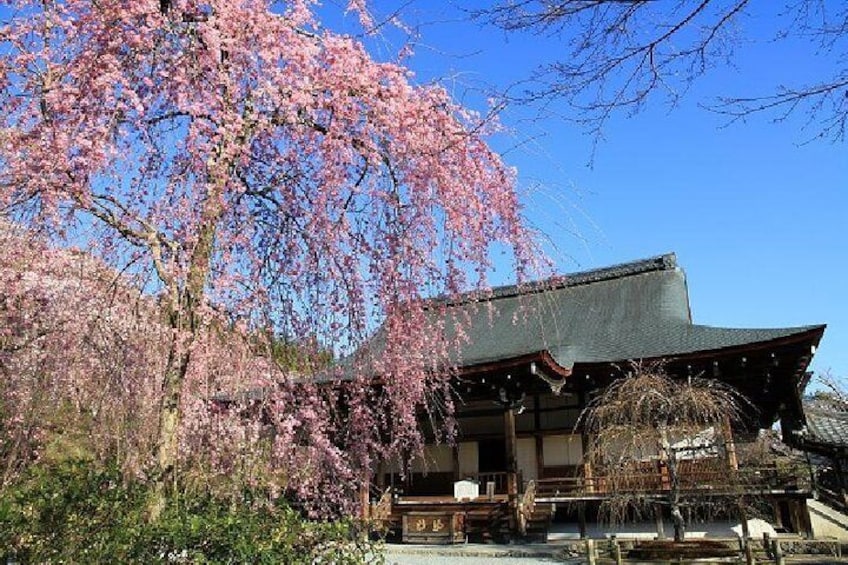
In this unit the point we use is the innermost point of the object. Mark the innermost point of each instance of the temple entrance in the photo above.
(492, 455)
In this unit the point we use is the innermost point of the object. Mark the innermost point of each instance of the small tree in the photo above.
(647, 416)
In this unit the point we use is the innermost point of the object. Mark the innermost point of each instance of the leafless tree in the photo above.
(648, 418)
(619, 53)
(833, 392)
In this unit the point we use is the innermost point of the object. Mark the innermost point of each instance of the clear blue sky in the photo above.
(758, 220)
(756, 217)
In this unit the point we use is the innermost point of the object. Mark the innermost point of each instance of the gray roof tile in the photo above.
(826, 426)
(636, 310)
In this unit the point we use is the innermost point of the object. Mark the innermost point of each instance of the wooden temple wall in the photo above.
(545, 446)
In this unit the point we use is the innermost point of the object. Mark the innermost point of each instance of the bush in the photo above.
(74, 512)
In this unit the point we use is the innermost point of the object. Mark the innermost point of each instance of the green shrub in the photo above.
(73, 512)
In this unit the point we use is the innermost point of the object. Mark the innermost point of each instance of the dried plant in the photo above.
(645, 431)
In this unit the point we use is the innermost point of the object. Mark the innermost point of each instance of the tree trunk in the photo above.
(674, 488)
(183, 317)
(679, 522)
(167, 438)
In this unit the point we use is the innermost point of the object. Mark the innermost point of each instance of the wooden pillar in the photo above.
(658, 520)
(581, 518)
(588, 474)
(540, 457)
(730, 447)
(778, 553)
(616, 551)
(511, 452)
(455, 456)
(839, 470)
(778, 515)
(381, 476)
(511, 463)
(801, 517)
(537, 430)
(749, 553)
(537, 413)
(585, 446)
(591, 556)
(588, 478)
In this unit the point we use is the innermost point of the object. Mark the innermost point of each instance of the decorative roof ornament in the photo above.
(555, 384)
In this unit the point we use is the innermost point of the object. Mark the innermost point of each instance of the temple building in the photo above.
(536, 355)
(825, 435)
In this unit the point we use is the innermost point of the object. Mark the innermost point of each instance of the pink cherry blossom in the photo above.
(254, 174)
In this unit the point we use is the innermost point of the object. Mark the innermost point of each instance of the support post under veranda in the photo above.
(511, 465)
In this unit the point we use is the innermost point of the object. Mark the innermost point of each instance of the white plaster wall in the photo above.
(563, 449)
(526, 455)
(437, 459)
(468, 458)
(827, 522)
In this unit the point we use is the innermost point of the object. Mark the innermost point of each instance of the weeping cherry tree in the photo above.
(251, 165)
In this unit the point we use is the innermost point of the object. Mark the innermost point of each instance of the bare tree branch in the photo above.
(648, 419)
(620, 53)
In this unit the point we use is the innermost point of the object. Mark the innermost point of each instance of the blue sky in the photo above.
(756, 216)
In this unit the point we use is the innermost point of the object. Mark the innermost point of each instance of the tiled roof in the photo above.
(635, 310)
(826, 426)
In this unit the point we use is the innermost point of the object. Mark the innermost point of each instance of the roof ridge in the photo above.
(814, 406)
(664, 262)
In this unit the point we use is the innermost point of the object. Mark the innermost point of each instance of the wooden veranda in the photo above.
(495, 516)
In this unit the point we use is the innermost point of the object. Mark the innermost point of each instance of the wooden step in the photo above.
(539, 523)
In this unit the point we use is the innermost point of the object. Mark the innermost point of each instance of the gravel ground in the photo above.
(475, 555)
(527, 555)
(464, 560)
